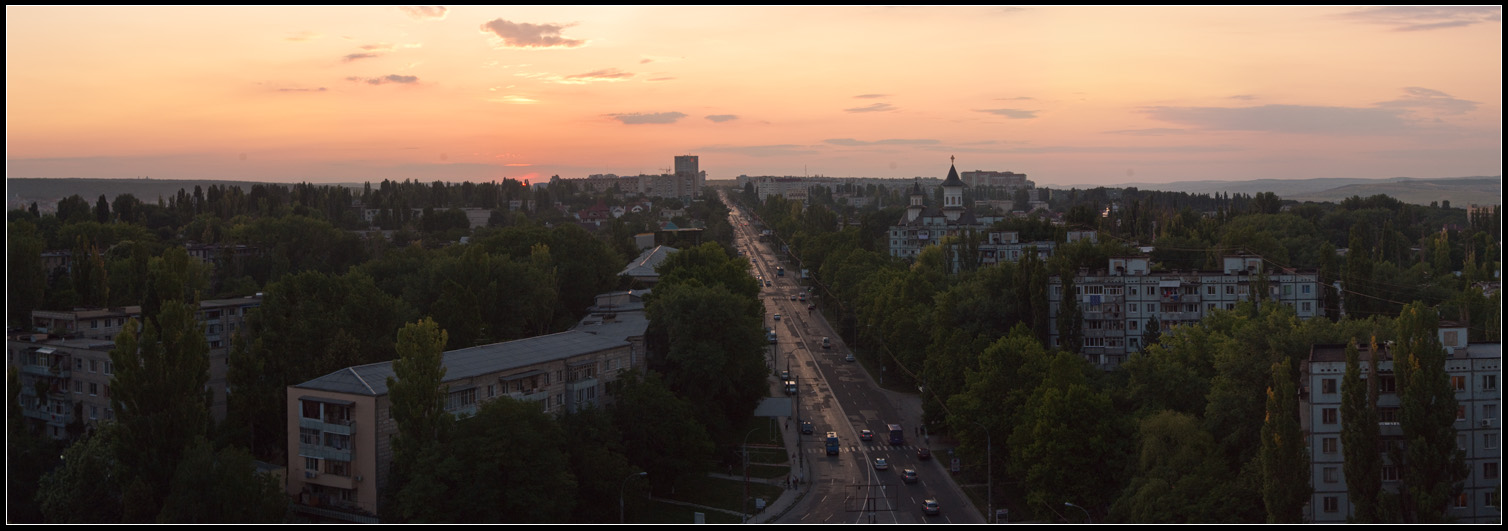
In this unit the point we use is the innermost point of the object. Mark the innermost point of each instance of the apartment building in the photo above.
(340, 426)
(1118, 302)
(63, 381)
(1473, 370)
(85, 336)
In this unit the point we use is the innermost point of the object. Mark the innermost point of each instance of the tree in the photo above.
(660, 433)
(714, 351)
(1067, 445)
(1152, 334)
(1285, 458)
(1432, 464)
(1070, 317)
(158, 395)
(1359, 437)
(417, 395)
(222, 487)
(86, 487)
(26, 279)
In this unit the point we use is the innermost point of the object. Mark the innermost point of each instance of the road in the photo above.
(840, 396)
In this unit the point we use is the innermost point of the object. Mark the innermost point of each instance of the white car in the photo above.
(881, 464)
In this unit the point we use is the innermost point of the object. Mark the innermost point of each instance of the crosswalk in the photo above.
(873, 448)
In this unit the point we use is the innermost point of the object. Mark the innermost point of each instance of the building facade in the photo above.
(1117, 303)
(922, 226)
(340, 427)
(1474, 371)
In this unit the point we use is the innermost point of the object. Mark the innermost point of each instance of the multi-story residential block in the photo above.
(1473, 370)
(340, 427)
(997, 179)
(63, 381)
(1117, 303)
(221, 318)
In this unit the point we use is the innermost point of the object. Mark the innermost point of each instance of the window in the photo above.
(1331, 415)
(1328, 384)
(310, 409)
(311, 463)
(1489, 382)
(1209, 290)
(93, 366)
(1389, 473)
(1489, 440)
(1458, 383)
(93, 389)
(1387, 415)
(1332, 504)
(1490, 470)
(460, 399)
(1490, 411)
(1460, 412)
(1461, 500)
(1332, 474)
(1131, 325)
(338, 468)
(491, 390)
(107, 390)
(93, 412)
(109, 368)
(78, 387)
(1329, 445)
(1306, 288)
(337, 441)
(1387, 384)
(308, 436)
(1230, 290)
(1308, 307)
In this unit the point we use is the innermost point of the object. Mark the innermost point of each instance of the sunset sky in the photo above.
(1067, 95)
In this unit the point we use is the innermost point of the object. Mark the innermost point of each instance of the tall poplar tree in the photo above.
(1284, 457)
(158, 395)
(1432, 465)
(418, 406)
(1359, 437)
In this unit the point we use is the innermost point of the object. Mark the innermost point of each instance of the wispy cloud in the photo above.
(390, 78)
(526, 35)
(1155, 131)
(878, 107)
(517, 164)
(606, 74)
(1017, 114)
(1030, 150)
(303, 36)
(513, 99)
(1434, 100)
(320, 89)
(1017, 98)
(774, 150)
(1424, 18)
(871, 96)
(885, 142)
(636, 118)
(1304, 119)
(425, 12)
(661, 79)
(720, 118)
(359, 56)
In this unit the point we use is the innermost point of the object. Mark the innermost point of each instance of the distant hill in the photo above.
(1460, 191)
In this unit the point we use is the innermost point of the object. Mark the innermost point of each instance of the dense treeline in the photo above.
(1183, 431)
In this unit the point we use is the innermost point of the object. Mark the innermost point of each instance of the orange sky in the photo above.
(1069, 96)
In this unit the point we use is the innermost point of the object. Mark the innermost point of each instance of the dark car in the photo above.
(923, 453)
(806, 428)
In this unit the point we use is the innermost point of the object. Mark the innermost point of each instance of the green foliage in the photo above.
(1359, 436)
(1178, 477)
(1285, 457)
(158, 394)
(1432, 465)
(659, 430)
(597, 461)
(86, 487)
(1067, 445)
(25, 276)
(713, 350)
(416, 390)
(222, 487)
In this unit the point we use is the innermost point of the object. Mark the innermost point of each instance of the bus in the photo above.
(832, 443)
(897, 435)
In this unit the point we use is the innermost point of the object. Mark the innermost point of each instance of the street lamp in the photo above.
(621, 486)
(1086, 513)
(989, 471)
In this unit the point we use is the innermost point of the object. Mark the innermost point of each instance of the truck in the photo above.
(832, 443)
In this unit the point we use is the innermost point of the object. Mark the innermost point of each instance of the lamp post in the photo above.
(1086, 513)
(989, 471)
(621, 486)
(745, 509)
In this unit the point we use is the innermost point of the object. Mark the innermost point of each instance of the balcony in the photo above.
(55, 371)
(52, 419)
(584, 383)
(325, 452)
(530, 395)
(342, 427)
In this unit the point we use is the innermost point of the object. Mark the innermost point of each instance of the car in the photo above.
(806, 428)
(790, 387)
(827, 343)
(923, 453)
(849, 357)
(866, 435)
(802, 298)
(881, 464)
(908, 475)
(785, 375)
(777, 317)
(930, 507)
(793, 297)
(766, 283)
(811, 307)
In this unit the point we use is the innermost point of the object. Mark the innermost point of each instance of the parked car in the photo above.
(930, 507)
(923, 453)
(881, 464)
(908, 475)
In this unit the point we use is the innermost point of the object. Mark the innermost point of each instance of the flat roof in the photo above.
(371, 380)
